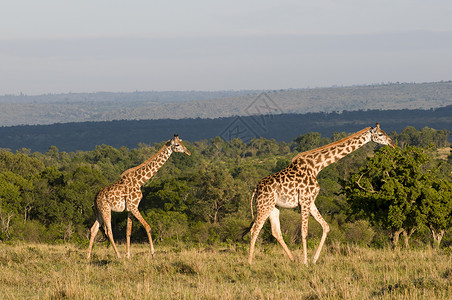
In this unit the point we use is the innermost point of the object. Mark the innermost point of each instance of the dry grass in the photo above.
(343, 272)
(441, 153)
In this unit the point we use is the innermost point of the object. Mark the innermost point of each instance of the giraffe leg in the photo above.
(316, 214)
(137, 215)
(255, 229)
(106, 216)
(94, 230)
(304, 230)
(128, 234)
(276, 231)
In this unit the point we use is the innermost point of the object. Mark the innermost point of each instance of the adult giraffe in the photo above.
(125, 194)
(296, 185)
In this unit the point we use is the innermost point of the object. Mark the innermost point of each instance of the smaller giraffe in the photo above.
(125, 194)
(296, 185)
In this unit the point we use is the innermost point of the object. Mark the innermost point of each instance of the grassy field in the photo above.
(32, 271)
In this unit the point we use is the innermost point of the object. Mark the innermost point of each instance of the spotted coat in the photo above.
(125, 194)
(296, 185)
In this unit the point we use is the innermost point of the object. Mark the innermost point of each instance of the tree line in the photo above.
(71, 137)
(369, 197)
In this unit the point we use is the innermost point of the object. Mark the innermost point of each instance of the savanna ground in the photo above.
(38, 271)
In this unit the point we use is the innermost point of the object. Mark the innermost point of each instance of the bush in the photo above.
(359, 233)
(232, 228)
(31, 231)
(205, 233)
(167, 225)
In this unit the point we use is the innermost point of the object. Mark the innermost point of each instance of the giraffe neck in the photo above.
(326, 155)
(146, 170)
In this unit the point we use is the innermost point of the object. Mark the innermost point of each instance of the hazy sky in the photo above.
(55, 46)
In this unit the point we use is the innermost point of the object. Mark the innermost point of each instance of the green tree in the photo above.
(264, 147)
(436, 206)
(215, 194)
(424, 137)
(388, 190)
(12, 204)
(20, 164)
(78, 191)
(169, 195)
(430, 136)
(215, 148)
(409, 136)
(48, 208)
(166, 224)
(309, 141)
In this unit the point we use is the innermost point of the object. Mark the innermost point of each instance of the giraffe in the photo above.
(296, 185)
(125, 194)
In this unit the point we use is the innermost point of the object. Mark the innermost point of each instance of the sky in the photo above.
(54, 46)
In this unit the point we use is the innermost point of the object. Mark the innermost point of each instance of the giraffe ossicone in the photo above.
(125, 194)
(296, 185)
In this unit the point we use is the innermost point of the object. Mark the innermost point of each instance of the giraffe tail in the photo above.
(95, 209)
(97, 213)
(247, 229)
(251, 202)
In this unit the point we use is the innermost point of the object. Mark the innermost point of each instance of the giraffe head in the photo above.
(177, 146)
(379, 136)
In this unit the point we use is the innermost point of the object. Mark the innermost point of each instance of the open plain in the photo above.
(38, 271)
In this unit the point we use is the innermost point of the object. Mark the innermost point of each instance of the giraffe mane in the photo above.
(145, 163)
(332, 144)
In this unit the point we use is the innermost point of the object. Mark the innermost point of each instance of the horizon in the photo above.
(334, 86)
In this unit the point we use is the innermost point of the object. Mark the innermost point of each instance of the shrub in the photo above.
(359, 233)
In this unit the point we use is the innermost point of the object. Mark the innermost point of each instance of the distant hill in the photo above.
(64, 108)
(281, 127)
(101, 106)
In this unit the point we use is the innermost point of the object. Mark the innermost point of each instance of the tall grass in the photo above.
(35, 271)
